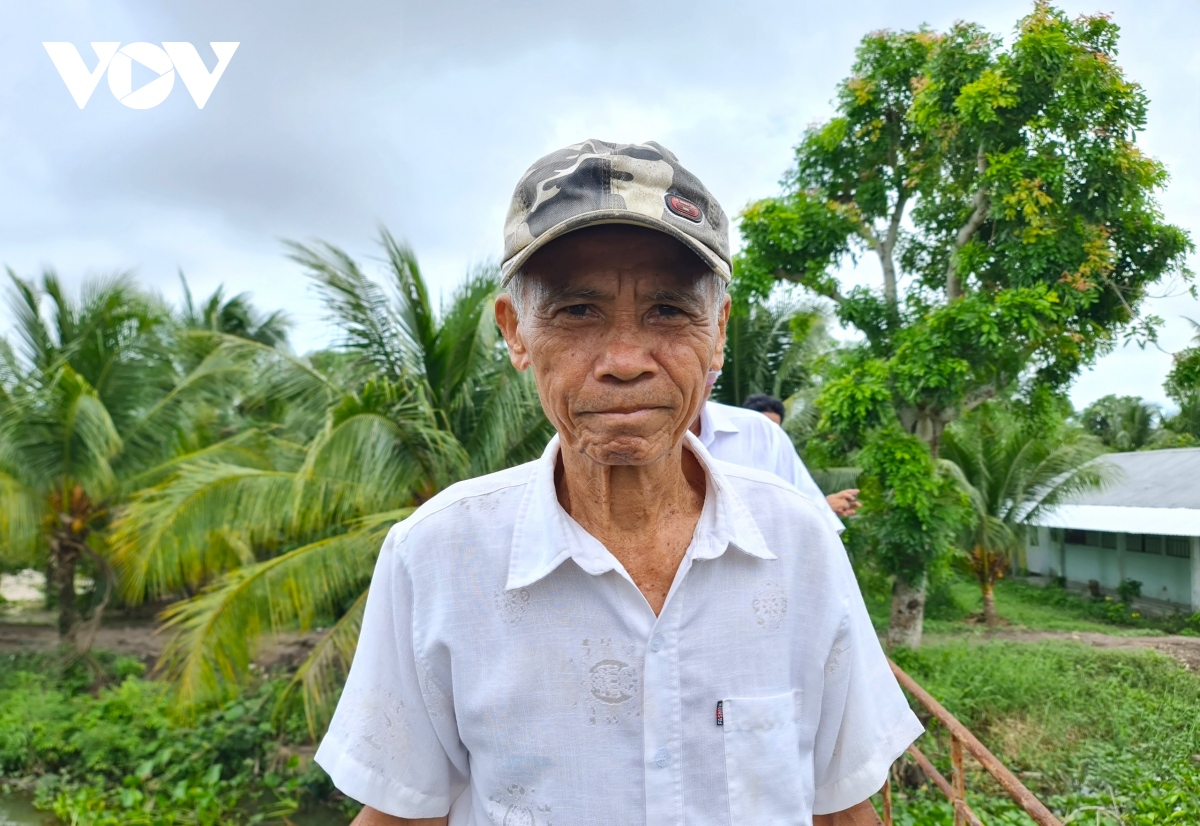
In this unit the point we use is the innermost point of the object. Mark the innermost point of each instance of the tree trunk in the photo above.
(66, 555)
(908, 614)
(989, 605)
(908, 603)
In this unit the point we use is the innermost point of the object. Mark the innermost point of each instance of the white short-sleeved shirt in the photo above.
(509, 666)
(748, 438)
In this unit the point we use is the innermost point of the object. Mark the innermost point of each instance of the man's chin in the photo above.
(628, 449)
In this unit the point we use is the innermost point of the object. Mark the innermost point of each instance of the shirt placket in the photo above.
(663, 735)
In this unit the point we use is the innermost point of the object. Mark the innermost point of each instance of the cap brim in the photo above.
(614, 216)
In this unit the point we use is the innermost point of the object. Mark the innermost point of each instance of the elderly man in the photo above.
(625, 631)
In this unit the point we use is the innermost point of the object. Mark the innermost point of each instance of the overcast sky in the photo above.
(333, 118)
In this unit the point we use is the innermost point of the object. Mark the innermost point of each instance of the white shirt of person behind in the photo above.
(748, 438)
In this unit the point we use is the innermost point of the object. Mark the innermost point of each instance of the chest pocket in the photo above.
(763, 763)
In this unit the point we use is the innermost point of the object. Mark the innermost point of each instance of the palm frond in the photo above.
(320, 676)
(249, 448)
(357, 305)
(221, 372)
(163, 540)
(215, 633)
(414, 312)
(510, 426)
(369, 462)
(20, 520)
(24, 303)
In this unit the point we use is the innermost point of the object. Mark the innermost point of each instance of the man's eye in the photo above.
(667, 311)
(577, 310)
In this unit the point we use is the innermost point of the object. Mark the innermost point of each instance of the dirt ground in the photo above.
(143, 640)
(1186, 650)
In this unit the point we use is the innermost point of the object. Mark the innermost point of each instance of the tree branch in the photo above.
(977, 398)
(982, 202)
(889, 244)
(831, 292)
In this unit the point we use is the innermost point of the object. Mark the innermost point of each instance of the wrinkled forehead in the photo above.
(610, 259)
(611, 287)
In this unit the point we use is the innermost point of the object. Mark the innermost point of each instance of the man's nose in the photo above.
(625, 358)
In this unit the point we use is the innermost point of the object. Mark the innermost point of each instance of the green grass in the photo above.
(956, 607)
(1022, 607)
(1101, 736)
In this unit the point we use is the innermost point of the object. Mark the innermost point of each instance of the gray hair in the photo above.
(518, 290)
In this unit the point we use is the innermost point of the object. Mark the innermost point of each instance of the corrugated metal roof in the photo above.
(1154, 492)
(1111, 519)
(1150, 479)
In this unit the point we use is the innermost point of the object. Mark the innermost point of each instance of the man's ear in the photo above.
(506, 317)
(718, 360)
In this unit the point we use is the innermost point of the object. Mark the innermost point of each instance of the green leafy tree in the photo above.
(1183, 386)
(1013, 470)
(93, 404)
(287, 536)
(1184, 379)
(1012, 214)
(1122, 422)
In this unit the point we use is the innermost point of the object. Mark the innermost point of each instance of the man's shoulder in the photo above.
(465, 504)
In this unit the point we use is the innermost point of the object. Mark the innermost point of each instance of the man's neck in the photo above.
(644, 515)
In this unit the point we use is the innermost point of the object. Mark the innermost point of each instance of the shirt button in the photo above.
(661, 759)
(656, 643)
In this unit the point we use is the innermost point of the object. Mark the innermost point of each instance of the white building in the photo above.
(1145, 526)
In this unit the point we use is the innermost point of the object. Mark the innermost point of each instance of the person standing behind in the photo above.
(769, 406)
(844, 502)
(747, 437)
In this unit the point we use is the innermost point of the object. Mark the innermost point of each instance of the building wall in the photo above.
(1162, 577)
(1167, 578)
(1196, 573)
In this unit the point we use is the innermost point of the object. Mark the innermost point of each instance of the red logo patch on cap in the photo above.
(684, 208)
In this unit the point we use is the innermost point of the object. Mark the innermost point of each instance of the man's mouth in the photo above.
(626, 411)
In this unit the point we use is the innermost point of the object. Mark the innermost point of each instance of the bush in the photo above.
(124, 756)
(1129, 590)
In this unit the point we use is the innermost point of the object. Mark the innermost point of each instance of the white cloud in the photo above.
(421, 115)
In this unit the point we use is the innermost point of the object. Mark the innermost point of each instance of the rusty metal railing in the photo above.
(955, 789)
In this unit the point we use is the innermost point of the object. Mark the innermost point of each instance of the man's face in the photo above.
(620, 329)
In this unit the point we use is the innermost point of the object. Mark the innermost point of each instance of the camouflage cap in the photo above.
(596, 182)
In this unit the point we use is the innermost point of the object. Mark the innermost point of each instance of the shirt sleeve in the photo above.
(790, 467)
(866, 722)
(393, 742)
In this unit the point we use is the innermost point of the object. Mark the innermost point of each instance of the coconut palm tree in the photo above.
(235, 316)
(771, 348)
(1012, 471)
(1122, 422)
(1186, 422)
(92, 404)
(419, 399)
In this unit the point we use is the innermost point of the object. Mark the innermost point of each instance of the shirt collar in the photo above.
(713, 420)
(545, 535)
